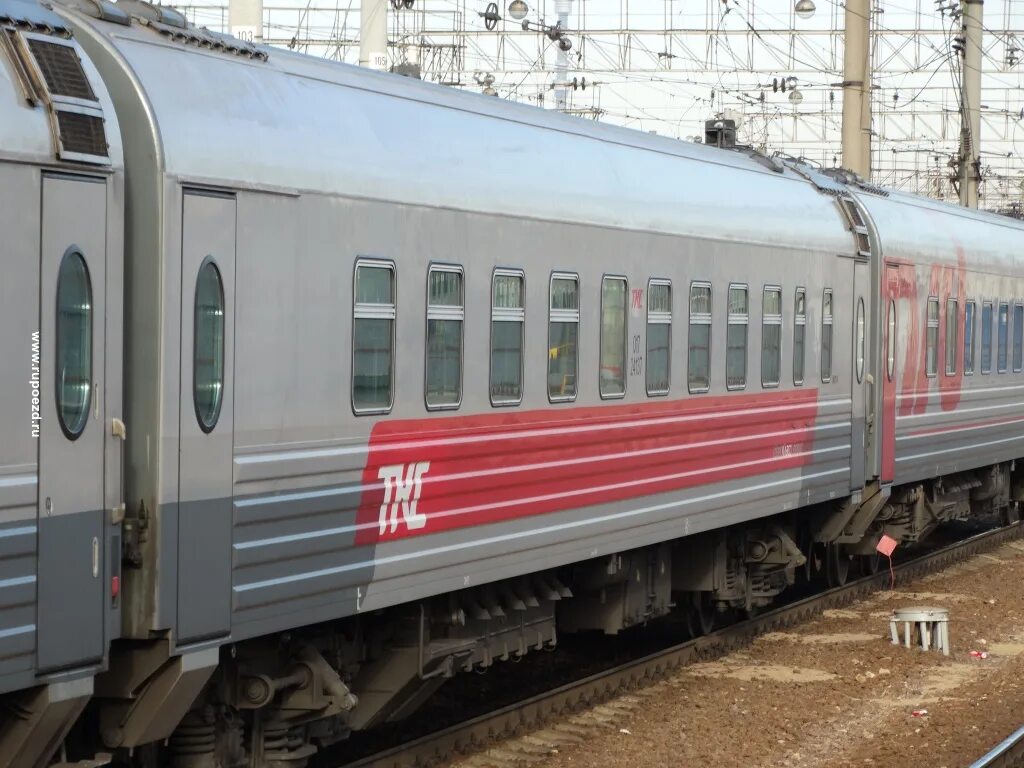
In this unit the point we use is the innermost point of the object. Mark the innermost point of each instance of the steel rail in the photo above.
(1007, 754)
(485, 730)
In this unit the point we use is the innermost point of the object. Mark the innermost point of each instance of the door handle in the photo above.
(118, 429)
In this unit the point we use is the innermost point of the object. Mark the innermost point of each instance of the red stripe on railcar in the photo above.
(428, 475)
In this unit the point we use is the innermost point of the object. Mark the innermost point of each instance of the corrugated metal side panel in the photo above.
(17, 574)
(320, 549)
(985, 427)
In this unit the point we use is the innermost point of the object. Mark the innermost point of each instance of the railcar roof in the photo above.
(926, 230)
(295, 122)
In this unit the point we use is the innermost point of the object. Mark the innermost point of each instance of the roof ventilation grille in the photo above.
(857, 224)
(61, 69)
(81, 134)
(56, 78)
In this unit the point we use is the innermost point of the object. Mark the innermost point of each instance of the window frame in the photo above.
(625, 337)
(929, 346)
(952, 335)
(970, 306)
(521, 319)
(374, 314)
(444, 312)
(986, 360)
(1003, 349)
(800, 320)
(775, 319)
(658, 318)
(827, 321)
(570, 316)
(743, 320)
(208, 427)
(705, 318)
(76, 253)
(1017, 337)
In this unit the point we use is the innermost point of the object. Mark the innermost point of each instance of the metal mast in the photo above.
(373, 34)
(856, 134)
(563, 8)
(970, 105)
(245, 19)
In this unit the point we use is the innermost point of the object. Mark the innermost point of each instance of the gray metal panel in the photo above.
(204, 528)
(72, 601)
(71, 476)
(20, 192)
(204, 569)
(986, 427)
(300, 452)
(17, 597)
(296, 561)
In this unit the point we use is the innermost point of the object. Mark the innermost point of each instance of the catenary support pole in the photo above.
(970, 107)
(245, 20)
(857, 88)
(373, 34)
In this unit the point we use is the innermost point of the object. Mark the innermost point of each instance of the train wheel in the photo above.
(1011, 513)
(871, 564)
(815, 564)
(837, 565)
(701, 615)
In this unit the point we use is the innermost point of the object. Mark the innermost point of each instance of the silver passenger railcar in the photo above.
(402, 403)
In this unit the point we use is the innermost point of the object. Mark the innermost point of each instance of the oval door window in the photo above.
(208, 345)
(73, 347)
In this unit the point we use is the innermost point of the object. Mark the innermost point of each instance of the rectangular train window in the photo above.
(826, 336)
(446, 313)
(508, 316)
(373, 337)
(736, 338)
(986, 337)
(799, 335)
(771, 336)
(1018, 337)
(698, 358)
(659, 336)
(969, 338)
(1004, 321)
(952, 325)
(931, 363)
(613, 337)
(563, 336)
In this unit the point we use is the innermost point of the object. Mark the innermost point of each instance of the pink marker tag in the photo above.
(886, 545)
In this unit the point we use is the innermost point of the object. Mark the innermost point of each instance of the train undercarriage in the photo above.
(274, 702)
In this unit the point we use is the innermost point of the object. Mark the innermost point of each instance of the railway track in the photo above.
(489, 729)
(1009, 753)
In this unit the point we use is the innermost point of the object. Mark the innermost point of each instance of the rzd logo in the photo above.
(403, 484)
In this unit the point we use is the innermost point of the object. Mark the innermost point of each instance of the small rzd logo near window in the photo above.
(403, 484)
